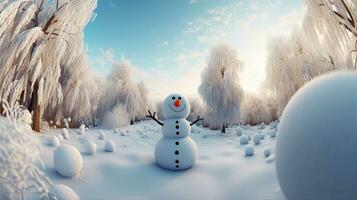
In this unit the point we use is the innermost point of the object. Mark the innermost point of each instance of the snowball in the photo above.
(90, 147)
(239, 131)
(63, 192)
(317, 140)
(109, 146)
(249, 151)
(60, 138)
(54, 141)
(69, 119)
(244, 139)
(257, 138)
(267, 152)
(67, 160)
(100, 135)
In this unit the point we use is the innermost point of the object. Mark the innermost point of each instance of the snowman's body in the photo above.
(176, 150)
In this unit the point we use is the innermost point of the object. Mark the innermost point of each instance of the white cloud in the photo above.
(246, 26)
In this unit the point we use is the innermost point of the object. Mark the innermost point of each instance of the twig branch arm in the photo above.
(152, 116)
(197, 120)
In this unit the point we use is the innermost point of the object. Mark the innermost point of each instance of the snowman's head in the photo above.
(175, 106)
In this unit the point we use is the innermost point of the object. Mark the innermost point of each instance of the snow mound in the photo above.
(67, 161)
(109, 146)
(249, 151)
(63, 192)
(317, 140)
(244, 139)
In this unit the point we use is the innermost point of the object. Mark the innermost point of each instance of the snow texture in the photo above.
(20, 151)
(131, 173)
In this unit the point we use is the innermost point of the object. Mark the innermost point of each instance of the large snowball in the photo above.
(316, 150)
(67, 160)
(63, 192)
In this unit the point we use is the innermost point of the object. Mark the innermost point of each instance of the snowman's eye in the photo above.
(173, 98)
(179, 98)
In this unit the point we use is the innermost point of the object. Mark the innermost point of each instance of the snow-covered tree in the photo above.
(326, 41)
(220, 88)
(115, 118)
(120, 89)
(144, 103)
(257, 109)
(43, 63)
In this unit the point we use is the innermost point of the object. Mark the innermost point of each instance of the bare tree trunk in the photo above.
(223, 128)
(36, 124)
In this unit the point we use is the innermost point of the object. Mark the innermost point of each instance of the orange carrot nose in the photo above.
(177, 103)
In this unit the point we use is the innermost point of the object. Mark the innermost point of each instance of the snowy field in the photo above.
(222, 170)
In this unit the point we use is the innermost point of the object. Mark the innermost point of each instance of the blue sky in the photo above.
(168, 40)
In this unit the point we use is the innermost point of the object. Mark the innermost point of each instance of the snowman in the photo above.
(175, 150)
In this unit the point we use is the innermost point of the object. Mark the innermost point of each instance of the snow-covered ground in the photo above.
(222, 170)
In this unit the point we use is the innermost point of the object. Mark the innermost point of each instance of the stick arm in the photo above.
(197, 120)
(152, 116)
